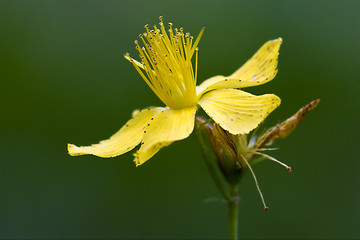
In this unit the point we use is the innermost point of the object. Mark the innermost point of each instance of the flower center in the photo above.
(166, 64)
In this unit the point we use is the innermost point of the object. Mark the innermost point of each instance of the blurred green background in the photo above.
(63, 79)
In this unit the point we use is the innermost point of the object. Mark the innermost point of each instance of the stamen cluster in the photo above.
(166, 64)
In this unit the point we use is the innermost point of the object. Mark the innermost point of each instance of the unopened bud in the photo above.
(224, 146)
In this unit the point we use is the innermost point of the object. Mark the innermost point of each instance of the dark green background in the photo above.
(63, 79)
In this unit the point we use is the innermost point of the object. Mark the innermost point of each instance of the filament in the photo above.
(256, 182)
(275, 160)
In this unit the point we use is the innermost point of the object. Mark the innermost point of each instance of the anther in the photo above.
(136, 41)
(146, 26)
(161, 18)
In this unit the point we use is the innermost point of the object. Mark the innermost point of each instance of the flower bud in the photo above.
(224, 146)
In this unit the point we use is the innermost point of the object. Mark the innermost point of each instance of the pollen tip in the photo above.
(146, 26)
(203, 28)
(161, 17)
(289, 169)
(266, 208)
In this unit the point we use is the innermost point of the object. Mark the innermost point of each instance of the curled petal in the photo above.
(128, 137)
(168, 126)
(259, 69)
(237, 111)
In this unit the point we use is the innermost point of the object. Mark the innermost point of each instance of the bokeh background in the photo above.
(63, 79)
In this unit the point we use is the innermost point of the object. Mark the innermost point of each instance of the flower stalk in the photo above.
(233, 205)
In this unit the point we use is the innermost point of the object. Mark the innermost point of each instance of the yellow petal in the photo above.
(237, 111)
(259, 69)
(166, 127)
(121, 142)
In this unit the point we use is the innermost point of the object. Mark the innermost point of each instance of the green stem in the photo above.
(233, 213)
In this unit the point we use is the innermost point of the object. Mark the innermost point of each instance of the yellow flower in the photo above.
(166, 66)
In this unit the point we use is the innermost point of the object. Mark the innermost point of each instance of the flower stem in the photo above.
(233, 213)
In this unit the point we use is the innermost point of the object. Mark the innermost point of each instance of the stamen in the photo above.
(196, 63)
(166, 60)
(275, 160)
(197, 41)
(267, 149)
(256, 182)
